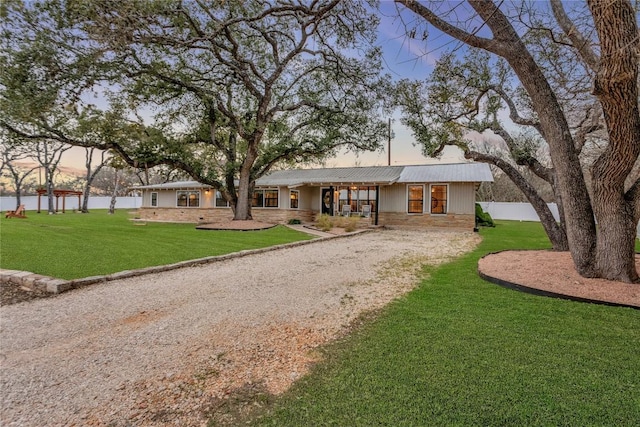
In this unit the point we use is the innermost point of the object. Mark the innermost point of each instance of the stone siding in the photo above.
(281, 216)
(400, 219)
(213, 215)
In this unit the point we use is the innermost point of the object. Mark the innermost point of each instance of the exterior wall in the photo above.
(392, 204)
(199, 215)
(462, 198)
(398, 219)
(281, 216)
(169, 198)
(393, 198)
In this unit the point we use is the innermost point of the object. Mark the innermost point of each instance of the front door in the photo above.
(327, 201)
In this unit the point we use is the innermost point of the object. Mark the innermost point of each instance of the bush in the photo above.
(324, 222)
(483, 218)
(293, 221)
(351, 223)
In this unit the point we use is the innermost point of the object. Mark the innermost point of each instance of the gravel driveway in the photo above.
(164, 349)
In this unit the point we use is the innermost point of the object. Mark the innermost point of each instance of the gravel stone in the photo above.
(166, 348)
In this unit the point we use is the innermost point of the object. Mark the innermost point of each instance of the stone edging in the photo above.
(56, 286)
(540, 292)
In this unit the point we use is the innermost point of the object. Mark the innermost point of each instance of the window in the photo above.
(265, 199)
(439, 199)
(190, 199)
(294, 197)
(415, 195)
(356, 197)
(258, 199)
(220, 201)
(154, 199)
(271, 198)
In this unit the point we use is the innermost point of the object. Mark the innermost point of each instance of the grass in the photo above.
(77, 245)
(459, 351)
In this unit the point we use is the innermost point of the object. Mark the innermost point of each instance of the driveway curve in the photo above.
(162, 349)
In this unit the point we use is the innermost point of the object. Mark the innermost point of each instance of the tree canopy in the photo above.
(225, 91)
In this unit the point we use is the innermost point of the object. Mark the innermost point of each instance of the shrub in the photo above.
(324, 222)
(350, 224)
(483, 218)
(294, 221)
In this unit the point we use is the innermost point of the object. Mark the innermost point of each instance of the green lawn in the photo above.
(459, 351)
(75, 245)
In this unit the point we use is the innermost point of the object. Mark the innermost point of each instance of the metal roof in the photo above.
(360, 175)
(179, 185)
(454, 172)
(371, 175)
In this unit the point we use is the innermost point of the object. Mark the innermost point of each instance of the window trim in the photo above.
(188, 192)
(296, 198)
(264, 199)
(446, 201)
(414, 200)
(153, 203)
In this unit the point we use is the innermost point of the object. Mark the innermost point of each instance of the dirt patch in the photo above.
(13, 293)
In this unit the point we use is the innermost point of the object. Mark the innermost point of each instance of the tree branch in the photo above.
(580, 43)
(447, 28)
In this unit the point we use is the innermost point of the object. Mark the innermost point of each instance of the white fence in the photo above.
(521, 212)
(516, 211)
(31, 203)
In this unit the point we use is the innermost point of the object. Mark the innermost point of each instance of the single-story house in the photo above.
(436, 195)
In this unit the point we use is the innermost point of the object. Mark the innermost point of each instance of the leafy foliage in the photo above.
(483, 218)
(225, 91)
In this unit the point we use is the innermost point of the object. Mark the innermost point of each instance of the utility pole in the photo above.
(389, 145)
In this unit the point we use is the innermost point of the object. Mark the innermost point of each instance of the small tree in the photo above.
(48, 154)
(91, 173)
(11, 155)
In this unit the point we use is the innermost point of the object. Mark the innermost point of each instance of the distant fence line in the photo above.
(521, 212)
(516, 211)
(95, 202)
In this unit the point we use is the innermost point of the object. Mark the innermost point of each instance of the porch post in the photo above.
(333, 201)
(377, 203)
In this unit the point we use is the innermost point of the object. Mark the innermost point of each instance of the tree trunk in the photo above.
(243, 203)
(615, 258)
(554, 231)
(49, 184)
(18, 186)
(112, 203)
(85, 199)
(616, 86)
(245, 185)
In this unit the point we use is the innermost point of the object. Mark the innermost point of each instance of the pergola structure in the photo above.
(57, 194)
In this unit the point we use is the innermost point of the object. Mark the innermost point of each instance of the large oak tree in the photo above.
(229, 90)
(606, 250)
